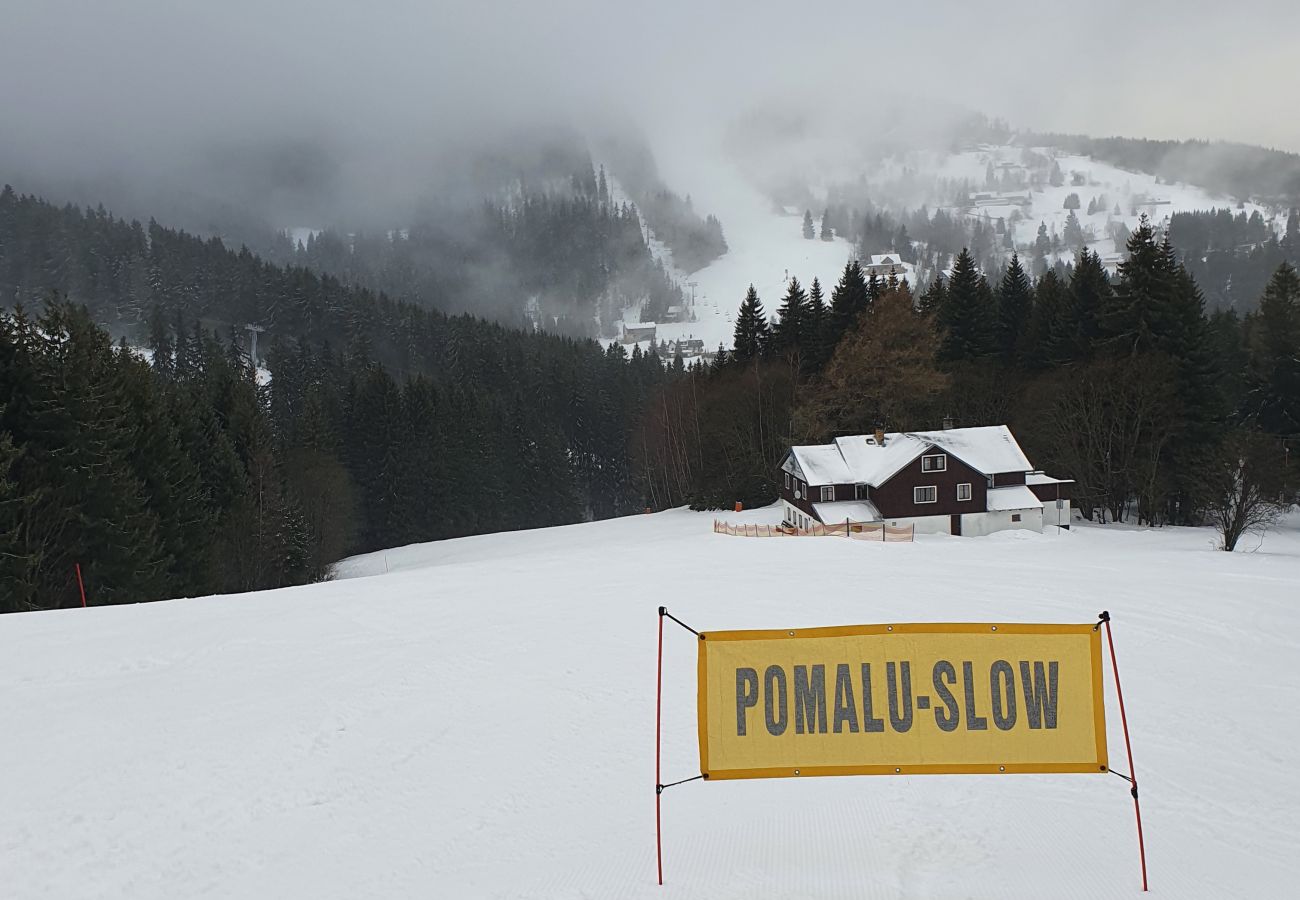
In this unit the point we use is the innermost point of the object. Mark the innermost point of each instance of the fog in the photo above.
(307, 111)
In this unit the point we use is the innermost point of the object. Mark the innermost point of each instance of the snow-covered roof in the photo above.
(1015, 497)
(858, 459)
(852, 510)
(885, 259)
(1040, 478)
(638, 324)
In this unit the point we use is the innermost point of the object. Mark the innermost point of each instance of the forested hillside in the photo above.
(384, 422)
(563, 257)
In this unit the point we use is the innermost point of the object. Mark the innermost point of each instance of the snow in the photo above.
(480, 723)
(1040, 478)
(894, 184)
(765, 244)
(852, 510)
(1011, 498)
(858, 459)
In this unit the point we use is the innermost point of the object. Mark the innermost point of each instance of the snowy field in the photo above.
(479, 722)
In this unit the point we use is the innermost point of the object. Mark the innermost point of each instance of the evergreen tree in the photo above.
(752, 332)
(1014, 305)
(1139, 313)
(791, 329)
(1090, 293)
(1072, 234)
(816, 337)
(1042, 249)
(827, 233)
(808, 232)
(849, 300)
(935, 297)
(1274, 340)
(965, 317)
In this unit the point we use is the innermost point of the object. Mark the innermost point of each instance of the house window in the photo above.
(787, 481)
(828, 494)
(1015, 517)
(963, 492)
(928, 494)
(935, 463)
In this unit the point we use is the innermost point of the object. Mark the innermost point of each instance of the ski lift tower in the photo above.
(253, 331)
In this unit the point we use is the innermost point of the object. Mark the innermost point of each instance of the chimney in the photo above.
(880, 435)
(947, 423)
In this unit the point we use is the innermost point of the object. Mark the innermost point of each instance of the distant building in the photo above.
(882, 265)
(1000, 198)
(636, 332)
(970, 481)
(687, 346)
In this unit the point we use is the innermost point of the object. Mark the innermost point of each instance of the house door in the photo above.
(955, 526)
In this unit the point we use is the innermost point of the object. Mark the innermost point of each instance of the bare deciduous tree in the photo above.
(1245, 486)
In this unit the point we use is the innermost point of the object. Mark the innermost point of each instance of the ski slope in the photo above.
(765, 246)
(475, 718)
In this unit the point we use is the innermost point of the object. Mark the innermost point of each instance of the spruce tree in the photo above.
(1014, 305)
(848, 301)
(816, 334)
(1077, 332)
(1138, 316)
(1274, 339)
(791, 328)
(827, 233)
(965, 317)
(808, 231)
(751, 334)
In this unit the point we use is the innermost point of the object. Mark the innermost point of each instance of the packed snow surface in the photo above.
(475, 718)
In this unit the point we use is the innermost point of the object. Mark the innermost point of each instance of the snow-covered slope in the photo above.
(765, 248)
(479, 722)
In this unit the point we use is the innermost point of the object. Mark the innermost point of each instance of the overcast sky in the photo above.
(113, 83)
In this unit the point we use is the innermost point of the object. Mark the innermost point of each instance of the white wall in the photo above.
(977, 524)
(1050, 514)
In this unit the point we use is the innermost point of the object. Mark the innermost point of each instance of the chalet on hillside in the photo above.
(883, 265)
(970, 481)
(637, 332)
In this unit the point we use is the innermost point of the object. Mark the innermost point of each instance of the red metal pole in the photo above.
(81, 585)
(659, 693)
(1128, 746)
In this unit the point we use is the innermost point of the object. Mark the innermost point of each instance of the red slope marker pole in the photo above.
(81, 585)
(1128, 746)
(659, 693)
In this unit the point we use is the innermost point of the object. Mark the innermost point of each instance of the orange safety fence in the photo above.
(858, 531)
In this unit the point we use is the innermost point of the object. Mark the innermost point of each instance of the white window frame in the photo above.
(969, 492)
(787, 481)
(934, 495)
(1015, 517)
(941, 466)
(828, 488)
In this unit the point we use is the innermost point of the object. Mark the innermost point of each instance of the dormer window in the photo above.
(936, 462)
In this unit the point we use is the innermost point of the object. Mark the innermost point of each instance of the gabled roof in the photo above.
(858, 459)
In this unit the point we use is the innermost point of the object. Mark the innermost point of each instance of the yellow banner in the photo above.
(901, 699)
